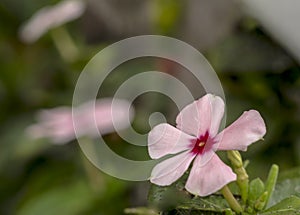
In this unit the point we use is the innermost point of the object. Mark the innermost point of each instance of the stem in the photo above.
(231, 200)
(242, 176)
(65, 44)
(94, 175)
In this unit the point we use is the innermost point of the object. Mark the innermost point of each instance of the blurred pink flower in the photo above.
(196, 138)
(57, 123)
(50, 17)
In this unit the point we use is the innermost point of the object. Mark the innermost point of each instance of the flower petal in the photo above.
(55, 124)
(165, 139)
(248, 128)
(202, 115)
(217, 113)
(207, 179)
(206, 156)
(171, 169)
(90, 119)
(50, 17)
(104, 116)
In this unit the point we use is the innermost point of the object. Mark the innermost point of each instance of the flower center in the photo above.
(199, 143)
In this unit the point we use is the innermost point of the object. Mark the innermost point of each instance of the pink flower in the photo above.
(196, 138)
(57, 124)
(50, 17)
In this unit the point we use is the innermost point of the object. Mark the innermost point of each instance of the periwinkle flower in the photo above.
(196, 139)
(92, 120)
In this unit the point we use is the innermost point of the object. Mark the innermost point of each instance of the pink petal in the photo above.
(202, 115)
(208, 179)
(54, 114)
(169, 170)
(104, 116)
(55, 124)
(217, 113)
(165, 139)
(50, 17)
(90, 119)
(206, 156)
(248, 128)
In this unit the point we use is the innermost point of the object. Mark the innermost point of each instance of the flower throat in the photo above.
(199, 143)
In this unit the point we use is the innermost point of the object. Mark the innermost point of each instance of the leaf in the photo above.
(69, 200)
(15, 145)
(256, 189)
(288, 174)
(140, 211)
(285, 189)
(212, 203)
(174, 199)
(168, 197)
(289, 184)
(288, 206)
(271, 181)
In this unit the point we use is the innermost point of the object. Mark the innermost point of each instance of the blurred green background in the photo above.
(38, 177)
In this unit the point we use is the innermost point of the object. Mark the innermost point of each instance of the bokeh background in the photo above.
(253, 48)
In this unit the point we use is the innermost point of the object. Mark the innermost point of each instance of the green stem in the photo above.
(65, 44)
(242, 176)
(231, 200)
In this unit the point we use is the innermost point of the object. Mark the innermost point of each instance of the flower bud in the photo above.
(235, 158)
(242, 176)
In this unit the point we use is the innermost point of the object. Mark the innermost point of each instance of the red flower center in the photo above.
(199, 143)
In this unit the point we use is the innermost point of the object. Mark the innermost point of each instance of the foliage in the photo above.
(174, 200)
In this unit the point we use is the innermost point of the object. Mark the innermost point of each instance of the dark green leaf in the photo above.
(212, 203)
(175, 200)
(72, 199)
(289, 174)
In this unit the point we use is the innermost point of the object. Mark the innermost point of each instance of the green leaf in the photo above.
(141, 211)
(271, 181)
(261, 201)
(212, 203)
(175, 200)
(68, 200)
(285, 189)
(165, 197)
(289, 184)
(172, 200)
(288, 174)
(256, 189)
(16, 146)
(288, 206)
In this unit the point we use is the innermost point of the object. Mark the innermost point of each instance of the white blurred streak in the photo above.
(206, 23)
(57, 124)
(281, 18)
(50, 17)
